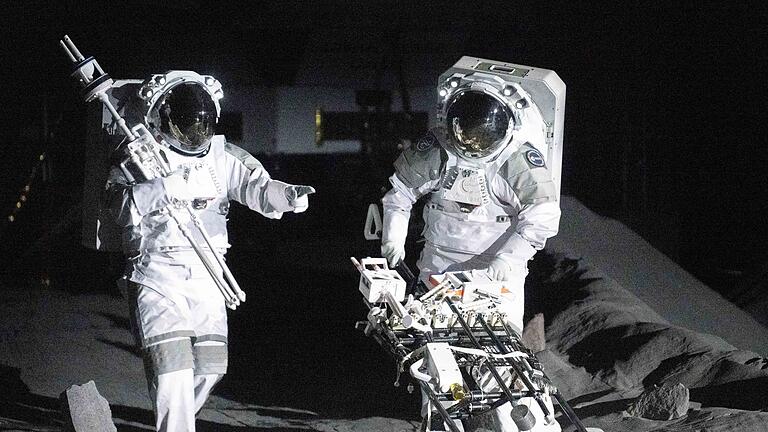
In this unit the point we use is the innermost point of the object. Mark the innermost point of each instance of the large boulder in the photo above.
(668, 402)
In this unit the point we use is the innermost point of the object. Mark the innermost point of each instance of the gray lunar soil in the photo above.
(622, 364)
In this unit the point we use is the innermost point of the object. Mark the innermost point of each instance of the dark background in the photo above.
(665, 112)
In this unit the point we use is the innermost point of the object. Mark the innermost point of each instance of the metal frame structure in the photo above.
(477, 335)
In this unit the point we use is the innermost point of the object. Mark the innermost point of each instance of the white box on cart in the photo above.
(376, 278)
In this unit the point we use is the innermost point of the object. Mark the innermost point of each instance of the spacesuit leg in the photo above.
(172, 392)
(513, 305)
(162, 328)
(209, 320)
(209, 369)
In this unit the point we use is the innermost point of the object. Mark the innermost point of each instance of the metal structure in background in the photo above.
(143, 155)
(450, 335)
(380, 130)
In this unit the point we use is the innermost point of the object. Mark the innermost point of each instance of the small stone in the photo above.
(668, 402)
(85, 410)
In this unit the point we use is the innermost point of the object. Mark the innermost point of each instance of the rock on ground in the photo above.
(606, 347)
(85, 410)
(668, 402)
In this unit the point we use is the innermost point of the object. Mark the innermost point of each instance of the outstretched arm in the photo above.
(251, 185)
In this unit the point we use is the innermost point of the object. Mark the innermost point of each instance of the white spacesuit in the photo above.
(178, 315)
(492, 202)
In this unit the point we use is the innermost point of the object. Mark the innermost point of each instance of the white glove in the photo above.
(176, 186)
(499, 269)
(512, 264)
(503, 268)
(298, 197)
(394, 252)
(394, 230)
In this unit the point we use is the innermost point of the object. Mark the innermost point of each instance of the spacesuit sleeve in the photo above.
(250, 184)
(129, 203)
(401, 197)
(417, 170)
(533, 192)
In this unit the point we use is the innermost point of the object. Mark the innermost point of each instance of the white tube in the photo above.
(66, 50)
(476, 304)
(397, 308)
(419, 375)
(439, 287)
(73, 48)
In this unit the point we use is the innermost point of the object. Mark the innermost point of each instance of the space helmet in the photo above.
(182, 107)
(481, 112)
(478, 123)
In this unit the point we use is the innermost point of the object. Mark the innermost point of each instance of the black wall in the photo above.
(665, 117)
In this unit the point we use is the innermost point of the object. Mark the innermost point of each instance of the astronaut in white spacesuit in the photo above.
(178, 315)
(491, 201)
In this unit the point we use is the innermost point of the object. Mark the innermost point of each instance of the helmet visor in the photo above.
(193, 132)
(188, 116)
(477, 123)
